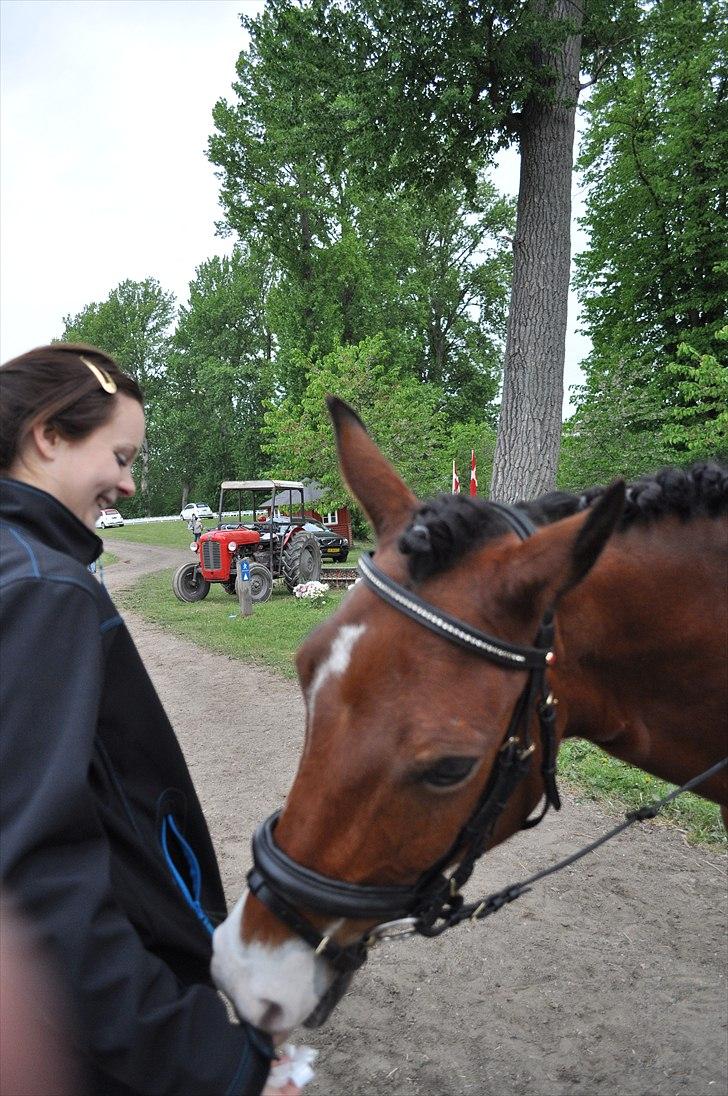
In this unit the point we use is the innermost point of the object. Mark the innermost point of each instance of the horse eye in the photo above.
(450, 770)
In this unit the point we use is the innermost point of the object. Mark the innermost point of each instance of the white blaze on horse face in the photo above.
(337, 661)
(274, 988)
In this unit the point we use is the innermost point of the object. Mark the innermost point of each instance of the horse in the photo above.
(478, 637)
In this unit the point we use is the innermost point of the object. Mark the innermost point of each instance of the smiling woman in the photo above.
(54, 401)
(105, 852)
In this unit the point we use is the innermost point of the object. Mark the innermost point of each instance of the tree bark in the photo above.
(529, 429)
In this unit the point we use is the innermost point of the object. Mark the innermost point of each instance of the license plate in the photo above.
(332, 551)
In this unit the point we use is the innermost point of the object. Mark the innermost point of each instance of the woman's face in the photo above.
(90, 475)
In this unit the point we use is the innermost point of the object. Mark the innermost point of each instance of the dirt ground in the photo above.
(608, 978)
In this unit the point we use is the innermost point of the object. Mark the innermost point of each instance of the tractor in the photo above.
(273, 548)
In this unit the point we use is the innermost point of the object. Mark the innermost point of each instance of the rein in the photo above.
(434, 903)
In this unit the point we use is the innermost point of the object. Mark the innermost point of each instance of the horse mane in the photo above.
(445, 528)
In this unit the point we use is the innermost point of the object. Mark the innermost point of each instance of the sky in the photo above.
(105, 111)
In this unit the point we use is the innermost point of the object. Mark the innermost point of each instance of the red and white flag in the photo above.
(455, 481)
(473, 478)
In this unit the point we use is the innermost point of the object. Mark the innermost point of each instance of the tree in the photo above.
(133, 325)
(405, 417)
(696, 426)
(655, 159)
(616, 430)
(441, 85)
(353, 259)
(220, 373)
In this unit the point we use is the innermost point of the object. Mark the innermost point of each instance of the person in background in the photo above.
(197, 527)
(104, 847)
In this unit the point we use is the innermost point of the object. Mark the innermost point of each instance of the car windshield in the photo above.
(307, 524)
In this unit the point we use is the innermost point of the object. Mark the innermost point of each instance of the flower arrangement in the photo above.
(314, 592)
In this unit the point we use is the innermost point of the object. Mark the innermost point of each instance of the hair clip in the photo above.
(107, 383)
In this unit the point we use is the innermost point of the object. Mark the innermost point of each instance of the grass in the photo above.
(164, 534)
(596, 775)
(275, 630)
(271, 635)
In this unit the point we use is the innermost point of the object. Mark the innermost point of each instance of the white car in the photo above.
(196, 510)
(107, 519)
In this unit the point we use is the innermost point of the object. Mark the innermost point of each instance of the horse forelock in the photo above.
(447, 527)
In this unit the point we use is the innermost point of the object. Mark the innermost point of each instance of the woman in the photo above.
(105, 852)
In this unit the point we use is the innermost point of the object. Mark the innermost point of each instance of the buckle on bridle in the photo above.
(391, 930)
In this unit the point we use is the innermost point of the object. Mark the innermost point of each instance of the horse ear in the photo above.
(599, 525)
(385, 498)
(558, 556)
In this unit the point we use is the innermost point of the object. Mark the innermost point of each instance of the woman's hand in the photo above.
(292, 1069)
(287, 1089)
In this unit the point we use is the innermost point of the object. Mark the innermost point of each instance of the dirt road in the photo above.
(607, 980)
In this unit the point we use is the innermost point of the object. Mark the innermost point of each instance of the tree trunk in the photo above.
(529, 429)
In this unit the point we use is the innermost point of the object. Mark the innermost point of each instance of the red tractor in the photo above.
(275, 546)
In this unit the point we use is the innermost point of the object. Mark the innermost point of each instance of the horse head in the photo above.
(404, 732)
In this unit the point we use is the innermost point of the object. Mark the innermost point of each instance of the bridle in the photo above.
(433, 902)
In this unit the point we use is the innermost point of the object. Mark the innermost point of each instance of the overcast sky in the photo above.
(105, 111)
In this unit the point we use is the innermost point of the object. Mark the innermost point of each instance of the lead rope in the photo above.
(476, 911)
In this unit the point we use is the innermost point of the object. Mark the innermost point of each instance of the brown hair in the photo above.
(55, 385)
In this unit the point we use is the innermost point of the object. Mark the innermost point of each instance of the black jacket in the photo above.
(103, 845)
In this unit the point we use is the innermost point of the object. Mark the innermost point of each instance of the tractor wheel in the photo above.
(261, 583)
(188, 584)
(301, 560)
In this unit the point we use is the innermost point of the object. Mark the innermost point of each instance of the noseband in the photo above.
(432, 904)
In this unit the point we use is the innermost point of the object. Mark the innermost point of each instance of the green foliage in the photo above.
(443, 84)
(696, 427)
(654, 275)
(133, 325)
(352, 258)
(615, 431)
(404, 415)
(219, 373)
(478, 436)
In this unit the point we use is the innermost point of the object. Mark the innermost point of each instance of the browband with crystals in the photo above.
(107, 383)
(457, 631)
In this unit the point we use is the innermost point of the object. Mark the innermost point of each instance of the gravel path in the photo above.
(607, 979)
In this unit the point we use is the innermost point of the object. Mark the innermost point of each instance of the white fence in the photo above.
(176, 517)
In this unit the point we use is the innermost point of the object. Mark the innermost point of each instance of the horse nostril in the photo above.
(271, 1013)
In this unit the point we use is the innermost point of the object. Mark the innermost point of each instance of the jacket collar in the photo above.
(44, 517)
